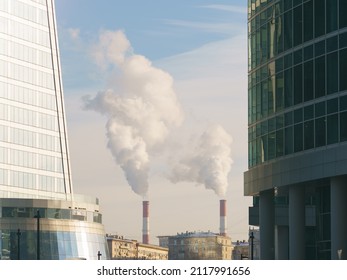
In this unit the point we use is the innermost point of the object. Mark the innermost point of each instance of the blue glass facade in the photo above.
(66, 230)
(55, 245)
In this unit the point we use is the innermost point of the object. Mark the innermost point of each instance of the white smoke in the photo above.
(209, 163)
(141, 108)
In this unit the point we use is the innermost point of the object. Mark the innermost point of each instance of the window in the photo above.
(308, 80)
(258, 101)
(272, 124)
(332, 106)
(3, 133)
(332, 129)
(279, 92)
(308, 21)
(298, 143)
(297, 2)
(271, 94)
(319, 17)
(264, 40)
(298, 116)
(332, 44)
(278, 35)
(308, 112)
(343, 40)
(298, 56)
(298, 84)
(288, 88)
(264, 98)
(287, 4)
(319, 48)
(279, 143)
(343, 103)
(343, 126)
(320, 109)
(331, 12)
(3, 176)
(308, 135)
(320, 132)
(308, 52)
(288, 30)
(279, 121)
(342, 13)
(288, 60)
(297, 24)
(332, 73)
(279, 64)
(260, 151)
(288, 118)
(320, 76)
(343, 69)
(272, 145)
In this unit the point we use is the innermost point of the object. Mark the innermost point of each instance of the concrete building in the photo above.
(121, 248)
(297, 96)
(40, 216)
(197, 246)
(240, 250)
(151, 252)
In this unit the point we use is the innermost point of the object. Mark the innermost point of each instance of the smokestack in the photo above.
(145, 225)
(223, 217)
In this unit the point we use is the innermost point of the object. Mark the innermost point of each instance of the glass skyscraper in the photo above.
(297, 127)
(34, 159)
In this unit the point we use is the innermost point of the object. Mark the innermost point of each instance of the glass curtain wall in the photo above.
(297, 69)
(33, 145)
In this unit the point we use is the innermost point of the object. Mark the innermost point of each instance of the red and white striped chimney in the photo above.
(145, 225)
(223, 217)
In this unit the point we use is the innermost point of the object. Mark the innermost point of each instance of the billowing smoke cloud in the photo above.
(141, 108)
(209, 163)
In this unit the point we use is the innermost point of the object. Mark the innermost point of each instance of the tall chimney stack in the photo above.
(145, 225)
(223, 217)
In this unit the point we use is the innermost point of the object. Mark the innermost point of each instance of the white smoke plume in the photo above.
(141, 108)
(209, 163)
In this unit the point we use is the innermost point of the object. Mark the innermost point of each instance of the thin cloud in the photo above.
(214, 59)
(74, 33)
(224, 28)
(227, 8)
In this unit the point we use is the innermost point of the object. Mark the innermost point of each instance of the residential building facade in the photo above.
(121, 248)
(297, 128)
(198, 246)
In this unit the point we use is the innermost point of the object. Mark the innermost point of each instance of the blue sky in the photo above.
(202, 45)
(156, 28)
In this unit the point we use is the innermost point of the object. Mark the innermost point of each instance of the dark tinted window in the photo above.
(343, 69)
(331, 12)
(332, 73)
(319, 17)
(320, 76)
(308, 21)
(342, 13)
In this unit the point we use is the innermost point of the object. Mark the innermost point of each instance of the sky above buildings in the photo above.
(192, 53)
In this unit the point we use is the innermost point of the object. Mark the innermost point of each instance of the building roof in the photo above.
(197, 234)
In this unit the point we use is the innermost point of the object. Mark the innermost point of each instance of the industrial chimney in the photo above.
(223, 217)
(145, 225)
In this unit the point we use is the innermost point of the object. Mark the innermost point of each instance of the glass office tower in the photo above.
(297, 127)
(34, 160)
